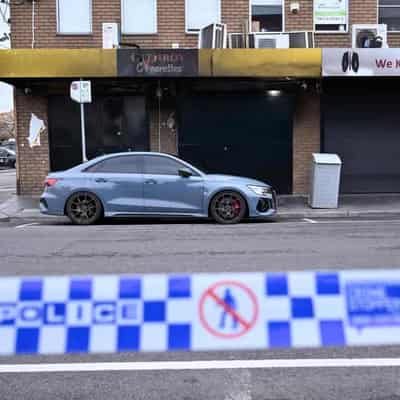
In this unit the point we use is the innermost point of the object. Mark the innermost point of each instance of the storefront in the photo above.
(361, 118)
(226, 111)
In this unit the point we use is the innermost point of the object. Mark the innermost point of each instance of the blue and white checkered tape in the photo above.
(109, 313)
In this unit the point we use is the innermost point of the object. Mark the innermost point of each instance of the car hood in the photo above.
(234, 179)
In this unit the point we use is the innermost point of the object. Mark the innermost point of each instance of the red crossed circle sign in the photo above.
(243, 294)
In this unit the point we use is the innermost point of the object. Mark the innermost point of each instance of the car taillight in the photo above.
(50, 182)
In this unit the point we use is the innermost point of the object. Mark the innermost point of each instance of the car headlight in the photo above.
(260, 190)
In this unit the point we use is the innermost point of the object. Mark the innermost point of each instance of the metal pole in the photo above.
(84, 157)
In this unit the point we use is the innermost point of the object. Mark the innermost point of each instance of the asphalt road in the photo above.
(55, 247)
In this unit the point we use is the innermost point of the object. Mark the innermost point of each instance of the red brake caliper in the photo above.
(236, 206)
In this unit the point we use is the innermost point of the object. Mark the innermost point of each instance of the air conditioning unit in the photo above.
(302, 40)
(369, 36)
(270, 41)
(213, 36)
(111, 35)
(237, 41)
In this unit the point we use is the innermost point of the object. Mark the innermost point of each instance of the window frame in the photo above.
(345, 32)
(141, 165)
(283, 19)
(154, 32)
(196, 32)
(90, 32)
(377, 15)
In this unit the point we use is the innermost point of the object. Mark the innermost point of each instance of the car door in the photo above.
(166, 192)
(118, 181)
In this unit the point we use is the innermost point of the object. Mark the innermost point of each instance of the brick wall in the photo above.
(171, 23)
(361, 12)
(306, 139)
(170, 16)
(32, 163)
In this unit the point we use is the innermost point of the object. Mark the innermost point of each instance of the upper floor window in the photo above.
(266, 15)
(389, 14)
(200, 13)
(139, 16)
(74, 16)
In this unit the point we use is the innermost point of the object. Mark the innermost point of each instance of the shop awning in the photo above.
(261, 63)
(57, 63)
(151, 63)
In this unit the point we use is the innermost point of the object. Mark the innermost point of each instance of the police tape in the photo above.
(227, 311)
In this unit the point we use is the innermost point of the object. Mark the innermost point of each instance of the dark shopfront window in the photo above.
(113, 124)
(389, 13)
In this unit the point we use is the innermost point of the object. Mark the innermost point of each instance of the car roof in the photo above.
(94, 161)
(7, 149)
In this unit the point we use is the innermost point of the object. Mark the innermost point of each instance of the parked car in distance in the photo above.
(152, 184)
(9, 144)
(7, 157)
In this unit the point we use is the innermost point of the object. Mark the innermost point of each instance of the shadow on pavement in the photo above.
(137, 221)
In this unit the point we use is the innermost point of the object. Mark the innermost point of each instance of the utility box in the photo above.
(325, 181)
(111, 35)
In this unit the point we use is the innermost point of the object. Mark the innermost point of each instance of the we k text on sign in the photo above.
(361, 62)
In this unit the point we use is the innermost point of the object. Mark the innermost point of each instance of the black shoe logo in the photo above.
(350, 62)
(345, 61)
(355, 62)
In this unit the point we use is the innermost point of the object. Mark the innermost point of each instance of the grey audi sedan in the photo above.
(152, 184)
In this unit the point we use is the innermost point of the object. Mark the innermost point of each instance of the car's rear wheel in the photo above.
(228, 207)
(84, 208)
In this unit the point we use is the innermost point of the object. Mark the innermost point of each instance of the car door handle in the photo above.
(151, 182)
(100, 180)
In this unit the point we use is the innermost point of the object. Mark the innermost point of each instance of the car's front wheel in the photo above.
(84, 208)
(228, 207)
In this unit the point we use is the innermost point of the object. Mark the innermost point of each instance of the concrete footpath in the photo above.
(352, 206)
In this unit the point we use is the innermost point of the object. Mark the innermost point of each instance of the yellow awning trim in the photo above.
(55, 63)
(261, 63)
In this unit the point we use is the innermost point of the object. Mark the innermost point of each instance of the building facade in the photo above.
(262, 124)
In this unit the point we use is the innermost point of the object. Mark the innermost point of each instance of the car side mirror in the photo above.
(185, 173)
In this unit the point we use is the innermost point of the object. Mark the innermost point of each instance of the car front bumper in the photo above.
(263, 207)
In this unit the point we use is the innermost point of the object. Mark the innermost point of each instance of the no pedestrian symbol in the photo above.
(228, 309)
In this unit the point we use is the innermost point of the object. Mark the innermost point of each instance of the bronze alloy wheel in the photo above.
(228, 207)
(84, 208)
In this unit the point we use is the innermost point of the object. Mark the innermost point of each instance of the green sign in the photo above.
(330, 12)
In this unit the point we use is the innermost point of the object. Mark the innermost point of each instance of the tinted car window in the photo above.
(161, 166)
(119, 165)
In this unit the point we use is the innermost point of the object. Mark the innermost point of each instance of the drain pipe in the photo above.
(33, 24)
(159, 96)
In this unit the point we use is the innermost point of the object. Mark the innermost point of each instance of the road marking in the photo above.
(348, 220)
(311, 221)
(26, 225)
(361, 221)
(201, 365)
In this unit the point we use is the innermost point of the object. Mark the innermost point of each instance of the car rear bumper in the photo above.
(50, 204)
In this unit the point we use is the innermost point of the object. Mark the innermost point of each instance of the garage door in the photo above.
(365, 131)
(246, 135)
